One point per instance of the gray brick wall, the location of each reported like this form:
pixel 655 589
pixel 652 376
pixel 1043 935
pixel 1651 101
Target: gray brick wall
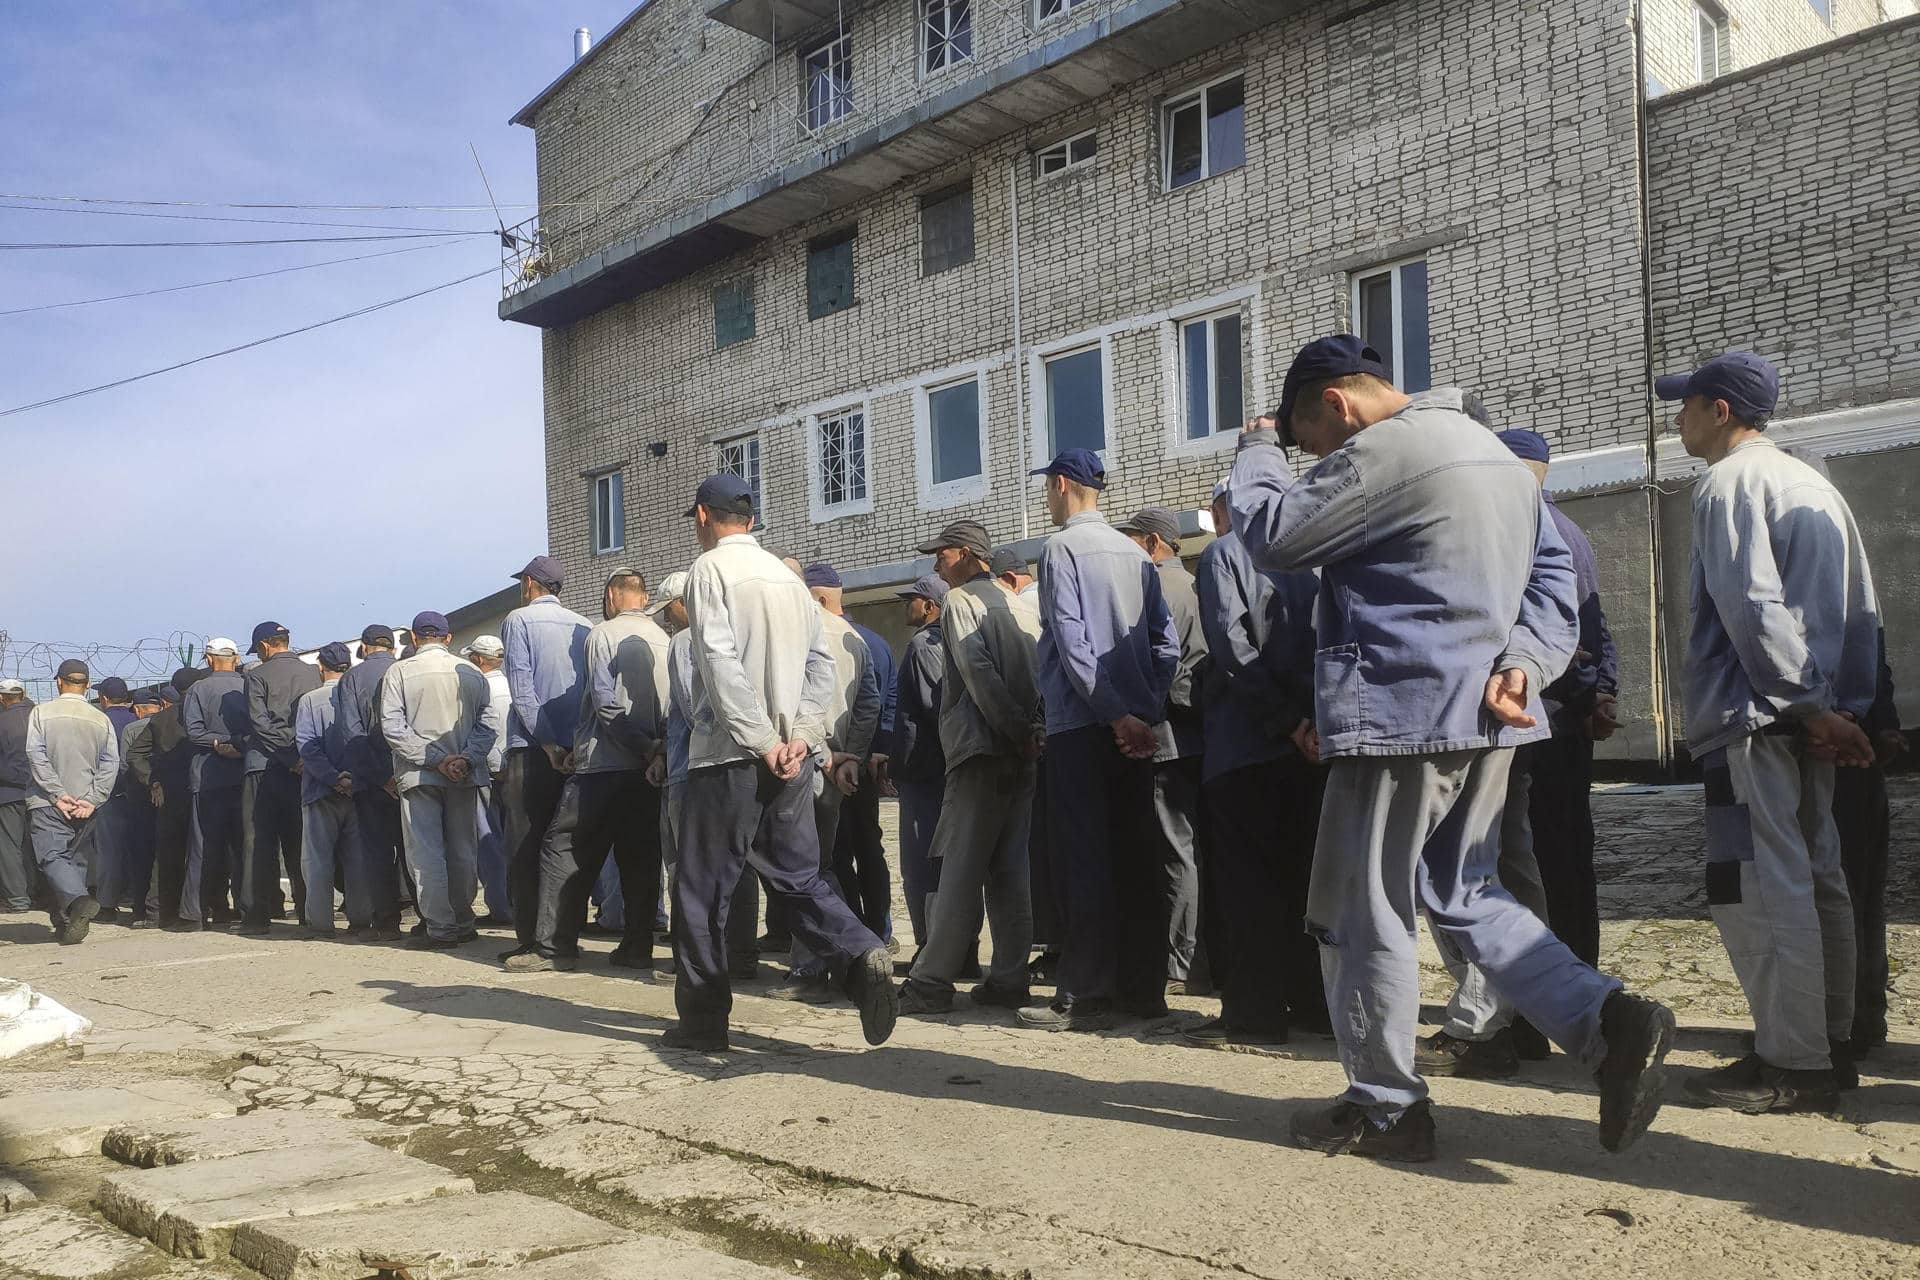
pixel 1757 30
pixel 1785 205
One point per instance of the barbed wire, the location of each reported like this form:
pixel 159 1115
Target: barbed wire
pixel 147 661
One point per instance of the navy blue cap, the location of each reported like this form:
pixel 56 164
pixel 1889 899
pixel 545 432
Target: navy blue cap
pixel 265 631
pixel 1007 560
pixel 335 656
pixel 166 693
pixel 376 634
pixel 1748 383
pixel 147 698
pixel 430 623
pixel 928 586
pixel 820 574
pixel 1082 466
pixel 544 570
pixel 1335 356
pixel 725 493
pixel 1528 446
pixel 113 687
pixel 183 678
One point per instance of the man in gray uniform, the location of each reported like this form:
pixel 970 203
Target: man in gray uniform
pixel 162 763
pixel 1782 662
pixel 376 797
pixel 215 716
pixel 1446 607
pixel 75 760
pixel 16 782
pixel 607 804
pixel 271 796
pixel 1176 759
pixel 330 827
pixel 918 769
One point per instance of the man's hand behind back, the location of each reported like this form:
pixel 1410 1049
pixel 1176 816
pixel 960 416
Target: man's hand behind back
pixel 1507 698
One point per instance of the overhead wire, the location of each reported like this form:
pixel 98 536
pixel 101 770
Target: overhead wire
pixel 214 217
pixel 224 244
pixel 314 208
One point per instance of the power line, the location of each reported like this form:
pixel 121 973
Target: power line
pixel 313 208
pixel 222 244
pixel 203 284
pixel 245 346
pixel 214 217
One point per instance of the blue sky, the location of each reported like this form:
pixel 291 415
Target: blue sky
pixel 371 469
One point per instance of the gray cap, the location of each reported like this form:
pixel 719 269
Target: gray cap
pixel 928 586
pixel 486 647
pixel 1154 520
pixel 12 686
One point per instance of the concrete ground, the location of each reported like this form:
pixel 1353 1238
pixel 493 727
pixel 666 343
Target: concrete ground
pixel 966 1147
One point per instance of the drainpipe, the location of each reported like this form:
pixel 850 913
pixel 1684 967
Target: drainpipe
pixel 1019 362
pixel 1662 726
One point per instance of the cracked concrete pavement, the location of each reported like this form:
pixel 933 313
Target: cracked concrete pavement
pixel 969 1147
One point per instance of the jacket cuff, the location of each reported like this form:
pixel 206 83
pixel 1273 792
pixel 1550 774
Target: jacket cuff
pixel 1265 436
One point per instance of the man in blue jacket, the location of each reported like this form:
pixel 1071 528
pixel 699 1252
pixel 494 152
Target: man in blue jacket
pixel 376 796
pixel 1446 606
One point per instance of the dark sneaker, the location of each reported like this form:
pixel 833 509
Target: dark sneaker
pixel 379 933
pixel 1143 1009
pixel 253 929
pixel 1220 1033
pixel 177 925
pixel 678 1037
pixel 1846 1064
pixel 492 921
pixel 1632 1077
pixel 737 970
pixel 108 915
pixel 529 962
pixel 427 942
pixel 1069 1015
pixel 318 935
pixel 815 988
pixel 869 984
pixel 1343 1129
pixel 521 950
pixel 419 929
pixel 1530 1044
pixel 631 958
pixel 917 1002
pixel 1443 1055
pixel 467 935
pixel 1001 997
pixel 771 944
pixel 1752 1087
pixel 80 917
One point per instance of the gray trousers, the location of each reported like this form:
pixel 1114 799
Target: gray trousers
pixel 1400 832
pixel 1477 1011
pixel 802 962
pixel 16 858
pixel 62 849
pixel 980 844
pixel 1778 894
pixel 1176 807
pixel 442 826
pixel 330 841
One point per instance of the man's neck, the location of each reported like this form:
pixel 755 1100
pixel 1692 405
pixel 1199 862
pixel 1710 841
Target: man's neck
pixel 1730 440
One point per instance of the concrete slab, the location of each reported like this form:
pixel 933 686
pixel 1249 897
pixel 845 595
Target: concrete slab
pixel 193 1209
pixel 46 1123
pixel 14 1194
pixel 51 1243
pixel 649 1259
pixel 423 1241
pixel 150 1145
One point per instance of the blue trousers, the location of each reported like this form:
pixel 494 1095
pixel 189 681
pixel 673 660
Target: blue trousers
pixel 213 852
pixel 493 857
pixel 919 815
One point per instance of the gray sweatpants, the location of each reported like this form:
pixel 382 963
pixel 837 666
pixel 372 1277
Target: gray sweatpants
pixel 1778 894
pixel 62 849
pixel 442 827
pixel 330 841
pixel 980 843
pixel 1478 1012
pixel 1398 832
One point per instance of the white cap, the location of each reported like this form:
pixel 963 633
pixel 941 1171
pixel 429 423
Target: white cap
pixel 12 686
pixel 672 587
pixel 223 647
pixel 486 647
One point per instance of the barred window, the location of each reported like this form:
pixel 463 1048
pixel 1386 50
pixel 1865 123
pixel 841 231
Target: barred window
pixel 946 34
pixel 828 81
pixel 841 451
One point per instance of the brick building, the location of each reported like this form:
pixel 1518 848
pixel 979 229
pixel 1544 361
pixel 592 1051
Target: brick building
pixel 882 258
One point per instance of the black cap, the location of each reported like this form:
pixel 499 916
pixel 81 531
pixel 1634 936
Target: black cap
pixel 1007 560
pixel 1748 383
pixel 968 535
pixel 726 493
pixel 73 667
pixel 544 570
pixel 334 657
pixel 147 698
pixel 184 677
pixel 376 634
pixel 113 687
pixel 266 631
pixel 1157 521
pixel 428 623
pixel 1335 356
pixel 167 693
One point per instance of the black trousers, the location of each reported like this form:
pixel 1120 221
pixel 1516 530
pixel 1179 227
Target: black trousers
pixel 1561 813
pixel 1047 917
pixel 860 857
pixel 1102 833
pixel 529 789
pixel 271 799
pixel 735 816
pixel 1860 812
pixel 1262 824
pixel 380 836
pixel 615 812
pixel 172 823
pixel 213 853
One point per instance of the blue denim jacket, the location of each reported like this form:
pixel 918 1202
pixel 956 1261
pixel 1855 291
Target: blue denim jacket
pixel 1109 648
pixel 1438 567
pixel 546 666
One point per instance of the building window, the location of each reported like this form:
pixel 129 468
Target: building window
pixel 1390 310
pixel 741 457
pixel 1212 395
pixel 1709 42
pixel 1825 9
pixel 953 443
pixel 607 517
pixel 1046 10
pixel 946 34
pixel 840 463
pixel 827 78
pixel 946 229
pixel 1204 133
pixel 830 274
pixel 1076 400
pixel 1068 153
pixel 733 312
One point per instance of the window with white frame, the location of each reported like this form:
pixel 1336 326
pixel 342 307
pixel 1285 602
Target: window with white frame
pixel 1204 132
pixel 840 461
pixel 946 34
pixel 1044 10
pixel 827 81
pixel 741 457
pixel 1390 313
pixel 1068 153
pixel 607 514
pixel 1212 389
pixel 1709 42
pixel 1076 400
pixel 952 438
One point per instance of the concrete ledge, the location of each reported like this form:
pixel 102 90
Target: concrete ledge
pixel 650 1259
pixel 48 1123
pixel 54 1242
pixel 149 1146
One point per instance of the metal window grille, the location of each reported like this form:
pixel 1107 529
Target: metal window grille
pixel 946 34
pixel 828 82
pixel 843 459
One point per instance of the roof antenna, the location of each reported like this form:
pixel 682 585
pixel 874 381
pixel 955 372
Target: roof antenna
pixel 508 240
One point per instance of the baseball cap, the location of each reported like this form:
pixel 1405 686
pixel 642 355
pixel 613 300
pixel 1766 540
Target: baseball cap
pixel 335 656
pixel 12 686
pixel 113 687
pixel 265 631
pixel 73 667
pixel 1082 466
pixel 1528 446
pixel 820 574
pixel 375 633
pixel 1007 560
pixel 429 623
pixel 968 535
pixel 1334 356
pixel 486 647
pixel 222 647
pixel 672 587
pixel 147 698
pixel 544 570
pixel 1154 520
pixel 928 586
pixel 1748 383
pixel 725 492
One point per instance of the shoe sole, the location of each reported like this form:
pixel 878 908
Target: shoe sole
pixel 78 922
pixel 1358 1148
pixel 1097 1022
pixel 879 1000
pixel 1779 1104
pixel 1643 1099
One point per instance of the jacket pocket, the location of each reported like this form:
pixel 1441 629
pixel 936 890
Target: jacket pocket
pixel 1339 691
